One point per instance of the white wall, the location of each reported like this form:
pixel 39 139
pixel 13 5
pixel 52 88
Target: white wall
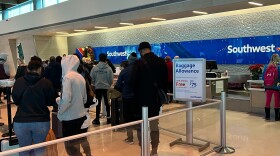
pixel 69 10
pixel 47 46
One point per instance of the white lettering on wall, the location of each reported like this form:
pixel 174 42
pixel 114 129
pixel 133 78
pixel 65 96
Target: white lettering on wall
pixel 251 49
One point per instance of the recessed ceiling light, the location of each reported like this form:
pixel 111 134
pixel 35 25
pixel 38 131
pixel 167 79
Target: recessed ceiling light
pixel 126 24
pixel 77 30
pixel 98 27
pixel 255 3
pixel 62 32
pixel 200 12
pixel 158 19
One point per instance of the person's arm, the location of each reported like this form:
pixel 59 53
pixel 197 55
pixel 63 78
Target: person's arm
pixel 7 69
pixel 50 93
pixel 66 95
pixel 84 93
pixel 16 93
pixel 164 76
pixel 92 75
pixel 135 75
pixel 110 77
pixel 119 84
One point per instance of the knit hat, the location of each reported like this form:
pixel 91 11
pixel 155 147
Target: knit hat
pixel 144 45
pixel 132 58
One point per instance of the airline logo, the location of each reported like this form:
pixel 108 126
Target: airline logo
pixel 112 54
pixel 253 49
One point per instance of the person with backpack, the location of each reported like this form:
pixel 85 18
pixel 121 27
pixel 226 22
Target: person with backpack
pixel 271 77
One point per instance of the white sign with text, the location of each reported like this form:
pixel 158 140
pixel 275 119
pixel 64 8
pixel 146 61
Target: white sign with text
pixel 189 79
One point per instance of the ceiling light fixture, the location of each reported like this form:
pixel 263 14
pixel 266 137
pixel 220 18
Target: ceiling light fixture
pixel 126 24
pixel 158 19
pixel 200 12
pixel 255 3
pixel 62 32
pixel 98 27
pixel 79 30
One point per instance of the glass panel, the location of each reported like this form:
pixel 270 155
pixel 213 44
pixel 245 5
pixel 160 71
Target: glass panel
pixel 205 122
pixel 109 143
pixel 59 1
pixel 13 12
pixel 1 16
pixel 49 2
pixel 26 8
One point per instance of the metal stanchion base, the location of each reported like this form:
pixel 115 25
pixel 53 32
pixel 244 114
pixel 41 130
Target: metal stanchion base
pixel 224 150
pixel 180 141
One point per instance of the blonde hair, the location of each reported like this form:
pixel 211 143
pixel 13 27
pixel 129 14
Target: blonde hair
pixel 274 59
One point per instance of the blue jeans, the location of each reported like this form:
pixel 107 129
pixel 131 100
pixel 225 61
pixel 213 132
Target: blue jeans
pixel 31 132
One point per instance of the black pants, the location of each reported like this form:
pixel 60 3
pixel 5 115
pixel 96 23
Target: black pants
pixel 99 94
pixel 128 114
pixel 170 90
pixel 73 127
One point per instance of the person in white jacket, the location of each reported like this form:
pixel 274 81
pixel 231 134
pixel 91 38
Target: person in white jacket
pixel 71 111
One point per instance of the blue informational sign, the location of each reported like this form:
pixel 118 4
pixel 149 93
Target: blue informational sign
pixel 246 50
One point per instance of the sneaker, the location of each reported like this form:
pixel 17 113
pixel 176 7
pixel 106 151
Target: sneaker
pixel 129 141
pixel 153 152
pixel 96 122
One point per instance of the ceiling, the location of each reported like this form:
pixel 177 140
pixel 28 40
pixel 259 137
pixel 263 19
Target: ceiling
pixel 5 4
pixel 168 12
pixel 142 16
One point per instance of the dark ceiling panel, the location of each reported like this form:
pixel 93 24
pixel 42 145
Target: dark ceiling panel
pixel 5 4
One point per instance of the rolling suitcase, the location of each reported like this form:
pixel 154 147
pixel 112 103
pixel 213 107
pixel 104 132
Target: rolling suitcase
pixel 11 142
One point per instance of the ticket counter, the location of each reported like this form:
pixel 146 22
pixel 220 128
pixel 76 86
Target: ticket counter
pixel 214 86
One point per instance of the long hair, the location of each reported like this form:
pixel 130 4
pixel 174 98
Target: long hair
pixel 274 60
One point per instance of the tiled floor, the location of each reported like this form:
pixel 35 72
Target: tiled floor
pixel 249 134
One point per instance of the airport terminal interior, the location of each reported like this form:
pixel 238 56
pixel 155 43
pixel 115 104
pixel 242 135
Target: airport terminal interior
pixel 236 38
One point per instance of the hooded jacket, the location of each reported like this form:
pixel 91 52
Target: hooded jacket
pixel 33 94
pixel 73 96
pixel 102 76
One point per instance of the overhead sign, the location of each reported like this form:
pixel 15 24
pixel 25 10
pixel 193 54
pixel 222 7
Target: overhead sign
pixel 245 50
pixel 189 79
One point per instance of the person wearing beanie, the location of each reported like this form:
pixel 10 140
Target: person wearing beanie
pixel 128 96
pixel 149 74
pixel 102 79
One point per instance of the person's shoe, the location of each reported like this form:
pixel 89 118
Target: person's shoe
pixel 154 152
pixel 96 122
pixel 109 120
pixel 129 141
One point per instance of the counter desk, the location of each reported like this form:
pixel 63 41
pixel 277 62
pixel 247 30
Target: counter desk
pixel 257 96
pixel 214 86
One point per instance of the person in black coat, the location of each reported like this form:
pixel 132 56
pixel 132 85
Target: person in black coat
pixel 53 73
pixel 32 94
pixel 147 73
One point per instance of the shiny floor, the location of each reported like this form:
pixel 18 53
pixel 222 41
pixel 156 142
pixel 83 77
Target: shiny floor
pixel 249 134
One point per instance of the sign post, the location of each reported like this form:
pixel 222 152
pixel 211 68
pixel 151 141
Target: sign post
pixel 189 82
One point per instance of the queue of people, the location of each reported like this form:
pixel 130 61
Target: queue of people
pixel 68 75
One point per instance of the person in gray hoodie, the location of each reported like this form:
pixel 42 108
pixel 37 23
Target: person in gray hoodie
pixel 102 79
pixel 71 110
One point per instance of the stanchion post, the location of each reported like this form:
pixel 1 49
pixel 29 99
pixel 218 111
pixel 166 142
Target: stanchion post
pixel 189 125
pixel 145 148
pixel 223 149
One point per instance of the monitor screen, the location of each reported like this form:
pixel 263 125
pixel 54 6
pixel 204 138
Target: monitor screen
pixel 211 64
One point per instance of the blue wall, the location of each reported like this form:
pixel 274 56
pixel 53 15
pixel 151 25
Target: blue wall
pixel 246 50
